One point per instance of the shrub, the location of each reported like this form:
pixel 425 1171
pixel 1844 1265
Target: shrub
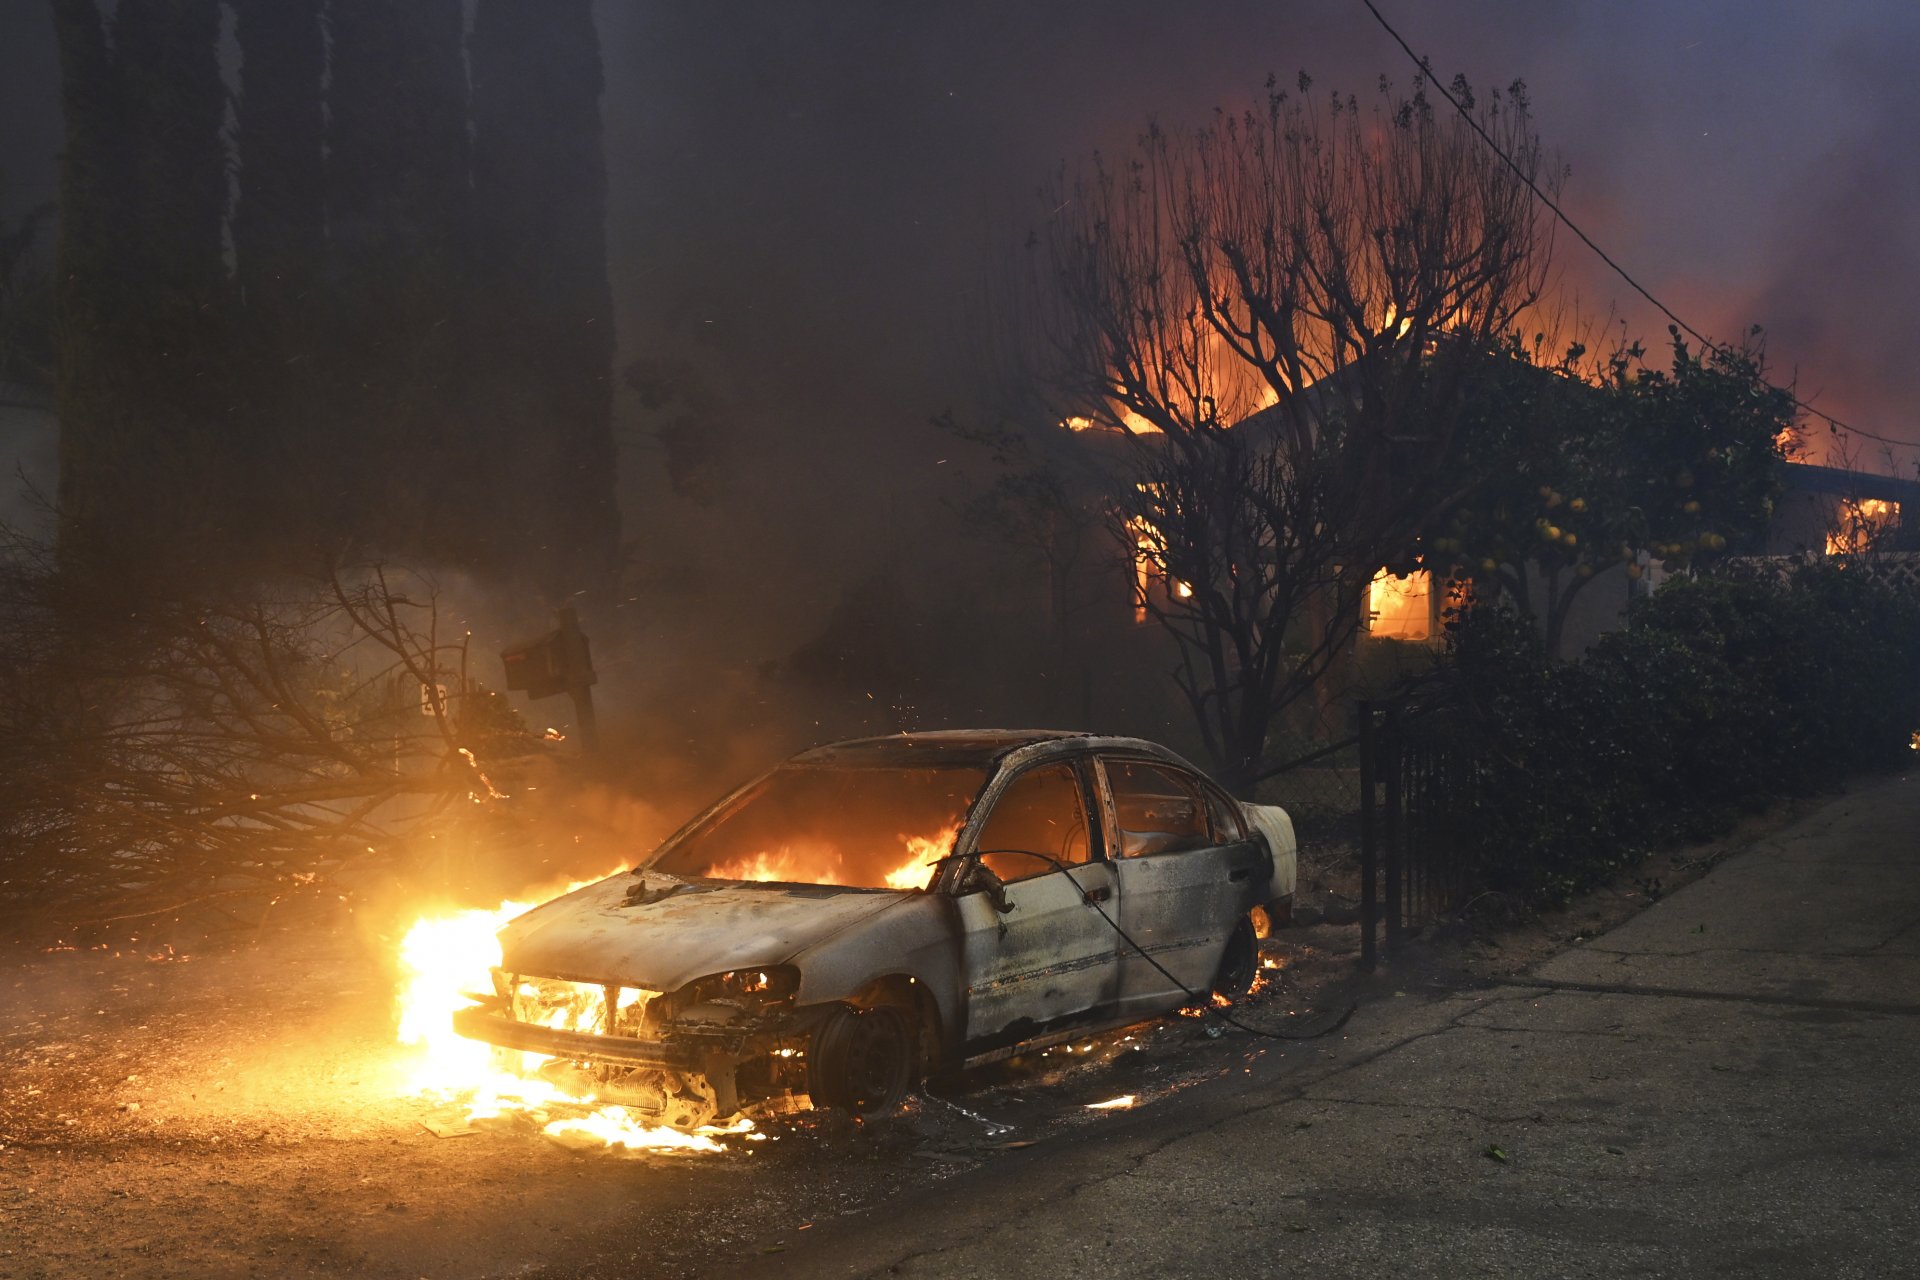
pixel 1719 697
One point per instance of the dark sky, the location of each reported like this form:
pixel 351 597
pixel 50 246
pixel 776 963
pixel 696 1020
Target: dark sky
pixel 807 196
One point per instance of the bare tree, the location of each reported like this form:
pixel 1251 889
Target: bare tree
pixel 231 747
pixel 1285 313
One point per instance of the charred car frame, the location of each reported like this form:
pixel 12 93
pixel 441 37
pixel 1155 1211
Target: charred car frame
pixel 874 911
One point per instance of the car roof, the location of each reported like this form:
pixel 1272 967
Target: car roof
pixel 977 747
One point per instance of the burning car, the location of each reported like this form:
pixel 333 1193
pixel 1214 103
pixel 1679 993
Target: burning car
pixel 874 911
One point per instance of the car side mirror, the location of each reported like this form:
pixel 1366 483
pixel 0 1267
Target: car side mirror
pixel 976 877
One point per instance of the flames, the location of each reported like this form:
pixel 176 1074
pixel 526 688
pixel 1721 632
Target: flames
pixel 446 963
pixel 1129 421
pixel 816 863
pixel 1860 525
pixel 922 853
pixel 806 865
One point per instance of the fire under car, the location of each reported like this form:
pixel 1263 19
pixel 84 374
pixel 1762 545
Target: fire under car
pixel 876 911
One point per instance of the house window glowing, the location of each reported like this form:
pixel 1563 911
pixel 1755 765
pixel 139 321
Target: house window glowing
pixel 1146 564
pixel 1858 525
pixel 1149 568
pixel 1400 608
pixel 1129 421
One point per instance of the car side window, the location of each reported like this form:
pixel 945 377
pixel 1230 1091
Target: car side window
pixel 1159 809
pixel 1040 812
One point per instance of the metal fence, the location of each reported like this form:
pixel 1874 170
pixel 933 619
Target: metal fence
pixel 1418 796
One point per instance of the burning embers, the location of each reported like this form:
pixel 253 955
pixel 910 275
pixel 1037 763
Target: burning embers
pixel 449 963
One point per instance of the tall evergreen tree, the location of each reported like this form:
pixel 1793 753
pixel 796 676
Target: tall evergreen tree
pixel 90 384
pixel 544 338
pixel 146 416
pixel 397 202
pixel 279 248
pixel 175 101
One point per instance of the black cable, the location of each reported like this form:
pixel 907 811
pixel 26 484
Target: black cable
pixel 1426 69
pixel 1205 1000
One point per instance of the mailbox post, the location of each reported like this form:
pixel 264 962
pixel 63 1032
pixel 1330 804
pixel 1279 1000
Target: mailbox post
pixel 558 662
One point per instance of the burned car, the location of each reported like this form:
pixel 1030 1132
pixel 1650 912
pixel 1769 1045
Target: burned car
pixel 874 911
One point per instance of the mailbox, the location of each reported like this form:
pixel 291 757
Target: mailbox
pixel 558 662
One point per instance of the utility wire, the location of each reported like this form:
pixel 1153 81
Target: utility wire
pixel 1426 69
pixel 1202 999
pixel 1205 999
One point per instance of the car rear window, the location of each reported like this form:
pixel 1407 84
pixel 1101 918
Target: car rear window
pixel 1159 809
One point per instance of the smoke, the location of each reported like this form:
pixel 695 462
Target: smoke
pixel 806 200
pixel 1846 257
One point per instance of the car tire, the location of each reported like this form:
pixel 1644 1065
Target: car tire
pixel 1240 963
pixel 861 1060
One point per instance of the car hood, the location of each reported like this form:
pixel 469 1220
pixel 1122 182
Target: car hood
pixel 696 928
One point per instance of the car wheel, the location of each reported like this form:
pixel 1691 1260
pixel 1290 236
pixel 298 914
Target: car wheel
pixel 1240 962
pixel 861 1060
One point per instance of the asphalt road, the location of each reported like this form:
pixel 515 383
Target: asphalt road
pixel 1722 1086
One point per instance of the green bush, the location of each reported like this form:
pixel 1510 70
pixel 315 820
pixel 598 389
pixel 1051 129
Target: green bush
pixel 1720 696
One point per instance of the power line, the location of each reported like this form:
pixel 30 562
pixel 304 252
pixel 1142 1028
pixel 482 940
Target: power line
pixel 1426 69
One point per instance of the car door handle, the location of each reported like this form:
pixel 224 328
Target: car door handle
pixel 1242 874
pixel 1100 894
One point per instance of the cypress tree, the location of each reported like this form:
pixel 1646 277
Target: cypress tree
pixel 279 248
pixel 544 336
pixel 89 385
pixel 397 203
pixel 175 102
pixel 144 412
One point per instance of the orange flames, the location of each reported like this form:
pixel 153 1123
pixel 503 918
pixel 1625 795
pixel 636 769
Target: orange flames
pixel 1129 421
pixel 922 853
pixel 1860 525
pixel 446 964
pixel 819 863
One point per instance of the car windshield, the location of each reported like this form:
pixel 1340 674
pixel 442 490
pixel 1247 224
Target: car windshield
pixel 869 828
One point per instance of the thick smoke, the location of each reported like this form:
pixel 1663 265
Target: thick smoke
pixel 807 199
pixel 1846 255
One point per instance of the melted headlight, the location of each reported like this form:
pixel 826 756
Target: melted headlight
pixel 576 1006
pixel 758 986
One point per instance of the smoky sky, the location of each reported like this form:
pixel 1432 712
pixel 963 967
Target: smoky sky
pixel 807 197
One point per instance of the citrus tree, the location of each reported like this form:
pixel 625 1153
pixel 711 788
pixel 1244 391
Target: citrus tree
pixel 1628 465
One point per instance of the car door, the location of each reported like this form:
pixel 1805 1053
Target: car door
pixel 1187 874
pixel 1049 959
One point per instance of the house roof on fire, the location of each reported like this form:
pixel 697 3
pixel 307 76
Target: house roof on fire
pixel 1806 477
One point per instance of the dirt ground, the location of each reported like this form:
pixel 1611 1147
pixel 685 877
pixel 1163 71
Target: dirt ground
pixel 240 1109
